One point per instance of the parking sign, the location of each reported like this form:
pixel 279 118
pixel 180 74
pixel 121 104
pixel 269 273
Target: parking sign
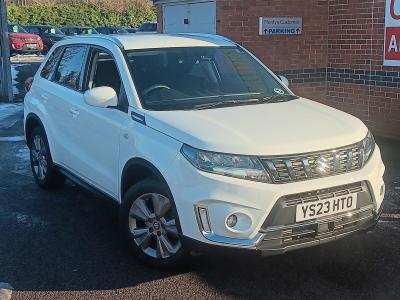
pixel 392 33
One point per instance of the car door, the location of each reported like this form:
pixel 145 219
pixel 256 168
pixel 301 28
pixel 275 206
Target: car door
pixel 100 128
pixel 63 94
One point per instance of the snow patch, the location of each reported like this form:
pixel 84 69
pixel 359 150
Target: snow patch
pixel 5 291
pixel 21 219
pixel 26 58
pixel 7 110
pixel 14 75
pixel 18 138
pixel 22 161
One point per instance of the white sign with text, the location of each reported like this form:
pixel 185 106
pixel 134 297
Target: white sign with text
pixel 280 26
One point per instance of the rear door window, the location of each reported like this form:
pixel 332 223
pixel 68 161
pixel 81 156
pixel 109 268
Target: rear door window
pixel 69 71
pixel 51 64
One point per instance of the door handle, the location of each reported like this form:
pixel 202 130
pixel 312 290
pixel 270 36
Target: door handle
pixel 45 98
pixel 74 112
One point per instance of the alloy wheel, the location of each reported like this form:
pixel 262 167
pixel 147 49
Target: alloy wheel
pixel 153 226
pixel 39 160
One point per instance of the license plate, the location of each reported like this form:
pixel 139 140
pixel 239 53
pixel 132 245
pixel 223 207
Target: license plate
pixel 327 207
pixel 31 46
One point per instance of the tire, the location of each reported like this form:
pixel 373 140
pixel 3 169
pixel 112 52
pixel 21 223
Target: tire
pixel 152 229
pixel 43 169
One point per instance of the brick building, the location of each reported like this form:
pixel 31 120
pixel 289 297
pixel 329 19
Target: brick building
pixel 337 59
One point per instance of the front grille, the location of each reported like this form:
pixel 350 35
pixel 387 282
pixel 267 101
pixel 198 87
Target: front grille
pixel 314 165
pixel 30 40
pixel 303 234
pixel 283 214
pixel 282 233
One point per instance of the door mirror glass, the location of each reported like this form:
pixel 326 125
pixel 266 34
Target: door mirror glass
pixel 284 80
pixel 103 96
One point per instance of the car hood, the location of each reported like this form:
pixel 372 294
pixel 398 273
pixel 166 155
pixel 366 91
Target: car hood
pixel 23 35
pixel 296 126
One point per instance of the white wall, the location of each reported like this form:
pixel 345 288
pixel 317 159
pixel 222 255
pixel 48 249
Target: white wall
pixel 200 16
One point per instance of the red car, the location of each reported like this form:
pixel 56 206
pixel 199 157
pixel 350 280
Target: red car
pixel 23 42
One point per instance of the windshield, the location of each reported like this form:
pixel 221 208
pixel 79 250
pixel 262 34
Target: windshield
pixel 87 31
pixel 51 31
pixel 118 30
pixel 148 27
pixel 16 29
pixel 185 78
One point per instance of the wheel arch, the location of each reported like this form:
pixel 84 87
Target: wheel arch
pixel 137 169
pixel 31 122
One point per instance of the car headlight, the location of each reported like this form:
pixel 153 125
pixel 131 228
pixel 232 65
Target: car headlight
pixel 39 38
pixel 368 146
pixel 238 166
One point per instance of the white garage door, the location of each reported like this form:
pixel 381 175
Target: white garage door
pixel 190 17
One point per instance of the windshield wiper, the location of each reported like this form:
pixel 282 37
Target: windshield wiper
pixel 225 103
pixel 278 98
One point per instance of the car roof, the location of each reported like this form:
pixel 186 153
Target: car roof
pixel 39 25
pixel 156 40
pixel 77 27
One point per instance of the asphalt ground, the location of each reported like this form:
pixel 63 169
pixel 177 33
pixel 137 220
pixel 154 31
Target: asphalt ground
pixel 64 244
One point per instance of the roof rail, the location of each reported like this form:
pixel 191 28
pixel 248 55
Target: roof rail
pixel 102 36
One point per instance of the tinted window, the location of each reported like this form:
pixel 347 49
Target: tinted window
pixel 102 30
pixel 70 67
pixel 16 29
pixel 51 30
pixel 148 27
pixel 70 31
pixel 33 30
pixel 87 30
pixel 51 64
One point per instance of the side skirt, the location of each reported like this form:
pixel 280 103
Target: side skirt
pixel 90 188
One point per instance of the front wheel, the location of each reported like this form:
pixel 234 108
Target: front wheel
pixel 150 222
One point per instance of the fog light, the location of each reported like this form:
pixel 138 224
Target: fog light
pixel 231 221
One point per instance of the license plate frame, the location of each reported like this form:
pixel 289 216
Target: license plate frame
pixel 326 207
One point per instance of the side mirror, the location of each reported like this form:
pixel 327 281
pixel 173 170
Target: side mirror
pixel 103 96
pixel 284 80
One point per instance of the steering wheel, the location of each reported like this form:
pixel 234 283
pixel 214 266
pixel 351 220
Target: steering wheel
pixel 155 87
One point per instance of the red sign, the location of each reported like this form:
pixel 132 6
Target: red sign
pixel 392 33
pixel 392 47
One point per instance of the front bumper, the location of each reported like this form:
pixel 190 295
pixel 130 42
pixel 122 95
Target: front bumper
pixel 26 48
pixel 223 196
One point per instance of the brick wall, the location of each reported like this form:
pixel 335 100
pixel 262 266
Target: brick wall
pixel 238 20
pixel 356 39
pixel 338 60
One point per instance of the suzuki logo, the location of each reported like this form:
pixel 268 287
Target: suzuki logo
pixel 393 10
pixel 322 166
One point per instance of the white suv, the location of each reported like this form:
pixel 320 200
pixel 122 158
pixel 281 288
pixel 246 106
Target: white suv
pixel 201 144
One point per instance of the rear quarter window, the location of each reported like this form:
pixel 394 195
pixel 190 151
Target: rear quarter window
pixel 51 64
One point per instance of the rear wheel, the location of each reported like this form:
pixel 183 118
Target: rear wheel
pixel 43 169
pixel 149 220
